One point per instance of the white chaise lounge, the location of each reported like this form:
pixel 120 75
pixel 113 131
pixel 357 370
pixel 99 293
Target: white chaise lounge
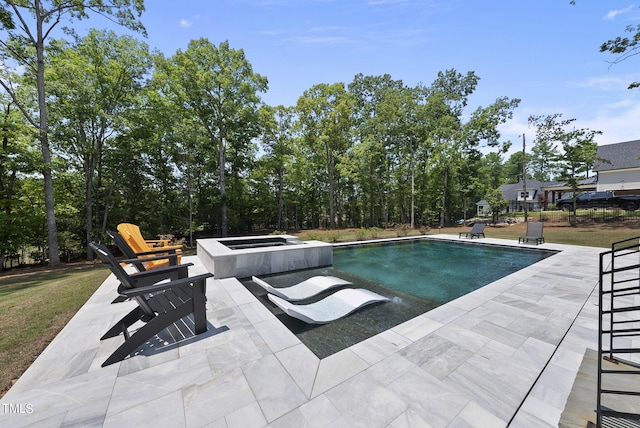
pixel 303 290
pixel 337 305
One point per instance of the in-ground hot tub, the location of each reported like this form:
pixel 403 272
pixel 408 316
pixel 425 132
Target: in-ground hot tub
pixel 245 256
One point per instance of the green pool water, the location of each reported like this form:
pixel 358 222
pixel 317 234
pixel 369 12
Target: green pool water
pixel 416 276
pixel 437 270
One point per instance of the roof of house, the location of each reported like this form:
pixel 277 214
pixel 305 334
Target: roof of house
pixel 618 156
pixel 593 180
pixel 510 191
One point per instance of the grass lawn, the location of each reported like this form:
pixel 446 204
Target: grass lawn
pixel 592 235
pixel 34 307
pixel 36 304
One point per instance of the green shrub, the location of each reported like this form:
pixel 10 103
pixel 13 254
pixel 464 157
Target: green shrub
pixel 403 230
pixel 361 234
pixel 333 235
pixel 375 232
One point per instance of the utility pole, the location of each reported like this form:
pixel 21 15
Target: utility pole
pixel 524 178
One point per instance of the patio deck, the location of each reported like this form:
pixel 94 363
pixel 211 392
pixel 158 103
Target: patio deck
pixel 506 354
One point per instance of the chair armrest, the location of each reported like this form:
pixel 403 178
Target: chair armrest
pixel 148 259
pixel 157 250
pixel 138 291
pixel 153 272
pixel 155 242
pixel 165 244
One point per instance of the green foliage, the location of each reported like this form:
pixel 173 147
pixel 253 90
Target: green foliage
pixel 497 203
pixel 375 232
pixel 579 149
pixel 403 230
pixel 185 143
pixel 334 235
pixel 313 236
pixel 362 234
pixel 95 84
pixel 218 88
pixel 624 48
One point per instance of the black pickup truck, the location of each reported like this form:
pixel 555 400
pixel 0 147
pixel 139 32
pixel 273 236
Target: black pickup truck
pixel 600 200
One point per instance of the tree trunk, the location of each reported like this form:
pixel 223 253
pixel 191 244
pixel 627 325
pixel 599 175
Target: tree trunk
pixel 54 256
pixel 280 196
pixel 222 159
pixel 89 213
pixel 444 198
pixel 332 221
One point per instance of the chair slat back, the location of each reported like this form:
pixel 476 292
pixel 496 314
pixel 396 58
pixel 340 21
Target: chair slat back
pixel 478 228
pixel 107 258
pixel 132 235
pixel 534 228
pixel 126 249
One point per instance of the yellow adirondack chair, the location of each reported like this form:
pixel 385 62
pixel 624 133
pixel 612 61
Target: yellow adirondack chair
pixel 131 234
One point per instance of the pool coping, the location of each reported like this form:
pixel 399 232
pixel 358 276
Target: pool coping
pixel 391 364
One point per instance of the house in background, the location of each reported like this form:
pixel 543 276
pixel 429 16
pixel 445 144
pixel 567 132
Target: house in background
pixel 482 208
pixel 536 197
pixel 557 191
pixel 618 167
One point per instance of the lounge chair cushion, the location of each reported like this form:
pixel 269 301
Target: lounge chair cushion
pixel 338 305
pixel 305 289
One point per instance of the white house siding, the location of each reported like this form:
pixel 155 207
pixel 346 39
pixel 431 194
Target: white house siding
pixel 626 179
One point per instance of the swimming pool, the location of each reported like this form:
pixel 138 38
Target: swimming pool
pixel 438 270
pixel 379 268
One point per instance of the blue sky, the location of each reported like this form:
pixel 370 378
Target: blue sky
pixel 546 52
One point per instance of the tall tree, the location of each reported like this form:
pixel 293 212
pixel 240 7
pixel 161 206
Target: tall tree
pixel 458 141
pixel 32 23
pixel 277 143
pixel 18 158
pixel 376 129
pixel 543 160
pixel 579 149
pixel 325 118
pixel 218 86
pixel 93 84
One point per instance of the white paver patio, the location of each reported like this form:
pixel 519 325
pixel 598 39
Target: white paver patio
pixel 505 354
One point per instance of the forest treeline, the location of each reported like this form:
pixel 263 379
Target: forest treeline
pixel 185 142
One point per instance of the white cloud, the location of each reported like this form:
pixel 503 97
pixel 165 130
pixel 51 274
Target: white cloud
pixel 617 121
pixel 185 23
pixel 613 13
pixel 607 83
pixel 270 32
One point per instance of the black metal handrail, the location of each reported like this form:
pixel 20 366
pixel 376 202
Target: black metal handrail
pixel 619 278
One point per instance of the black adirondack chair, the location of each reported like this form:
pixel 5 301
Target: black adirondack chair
pixel 145 275
pixel 159 306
